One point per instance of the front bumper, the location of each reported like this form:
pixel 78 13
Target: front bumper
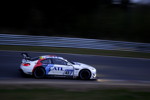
pixel 93 74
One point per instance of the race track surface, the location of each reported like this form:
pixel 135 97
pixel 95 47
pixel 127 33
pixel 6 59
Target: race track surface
pixel 114 68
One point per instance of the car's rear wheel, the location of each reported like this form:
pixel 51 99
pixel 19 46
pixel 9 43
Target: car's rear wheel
pixel 39 73
pixel 85 74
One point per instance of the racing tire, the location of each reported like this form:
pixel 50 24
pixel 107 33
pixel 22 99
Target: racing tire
pixel 85 74
pixel 39 73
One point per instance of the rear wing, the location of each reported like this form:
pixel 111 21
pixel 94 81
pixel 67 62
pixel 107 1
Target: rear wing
pixel 26 56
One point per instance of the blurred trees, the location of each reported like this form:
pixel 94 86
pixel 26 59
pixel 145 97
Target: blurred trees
pixel 89 19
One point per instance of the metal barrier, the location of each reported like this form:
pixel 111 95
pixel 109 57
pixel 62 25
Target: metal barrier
pixel 29 40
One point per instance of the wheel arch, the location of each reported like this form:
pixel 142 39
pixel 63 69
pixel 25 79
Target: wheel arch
pixel 36 68
pixel 39 72
pixel 84 69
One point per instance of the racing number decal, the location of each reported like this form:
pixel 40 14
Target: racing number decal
pixel 68 72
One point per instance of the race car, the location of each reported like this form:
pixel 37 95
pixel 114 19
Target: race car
pixel 51 65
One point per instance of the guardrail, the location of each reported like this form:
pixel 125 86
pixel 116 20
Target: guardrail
pixel 29 40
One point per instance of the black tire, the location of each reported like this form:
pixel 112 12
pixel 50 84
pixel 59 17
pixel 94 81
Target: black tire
pixel 85 74
pixel 39 73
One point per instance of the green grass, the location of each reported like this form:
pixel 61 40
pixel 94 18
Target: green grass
pixel 59 94
pixel 76 51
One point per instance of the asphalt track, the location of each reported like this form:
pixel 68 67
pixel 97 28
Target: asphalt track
pixel 108 68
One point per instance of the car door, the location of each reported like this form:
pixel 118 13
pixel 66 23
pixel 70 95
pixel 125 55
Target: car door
pixel 48 65
pixel 61 67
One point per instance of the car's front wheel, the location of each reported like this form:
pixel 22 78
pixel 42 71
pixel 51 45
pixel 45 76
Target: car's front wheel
pixel 39 73
pixel 85 74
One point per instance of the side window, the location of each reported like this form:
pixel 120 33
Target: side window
pixel 46 61
pixel 59 61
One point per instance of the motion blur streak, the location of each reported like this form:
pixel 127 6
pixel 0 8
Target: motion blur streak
pixel 117 68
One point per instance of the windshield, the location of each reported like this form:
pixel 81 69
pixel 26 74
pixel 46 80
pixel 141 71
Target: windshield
pixel 71 62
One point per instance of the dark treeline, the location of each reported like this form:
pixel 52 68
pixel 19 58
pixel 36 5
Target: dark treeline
pixel 89 19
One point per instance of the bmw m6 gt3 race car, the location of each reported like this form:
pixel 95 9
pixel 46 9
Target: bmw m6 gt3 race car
pixel 52 65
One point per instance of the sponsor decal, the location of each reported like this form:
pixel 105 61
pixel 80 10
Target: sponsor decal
pixel 57 68
pixel 48 68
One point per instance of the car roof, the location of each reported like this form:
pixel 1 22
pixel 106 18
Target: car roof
pixel 50 56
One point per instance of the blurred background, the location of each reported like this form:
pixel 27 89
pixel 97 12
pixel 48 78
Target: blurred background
pixel 98 22
pixel 125 20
